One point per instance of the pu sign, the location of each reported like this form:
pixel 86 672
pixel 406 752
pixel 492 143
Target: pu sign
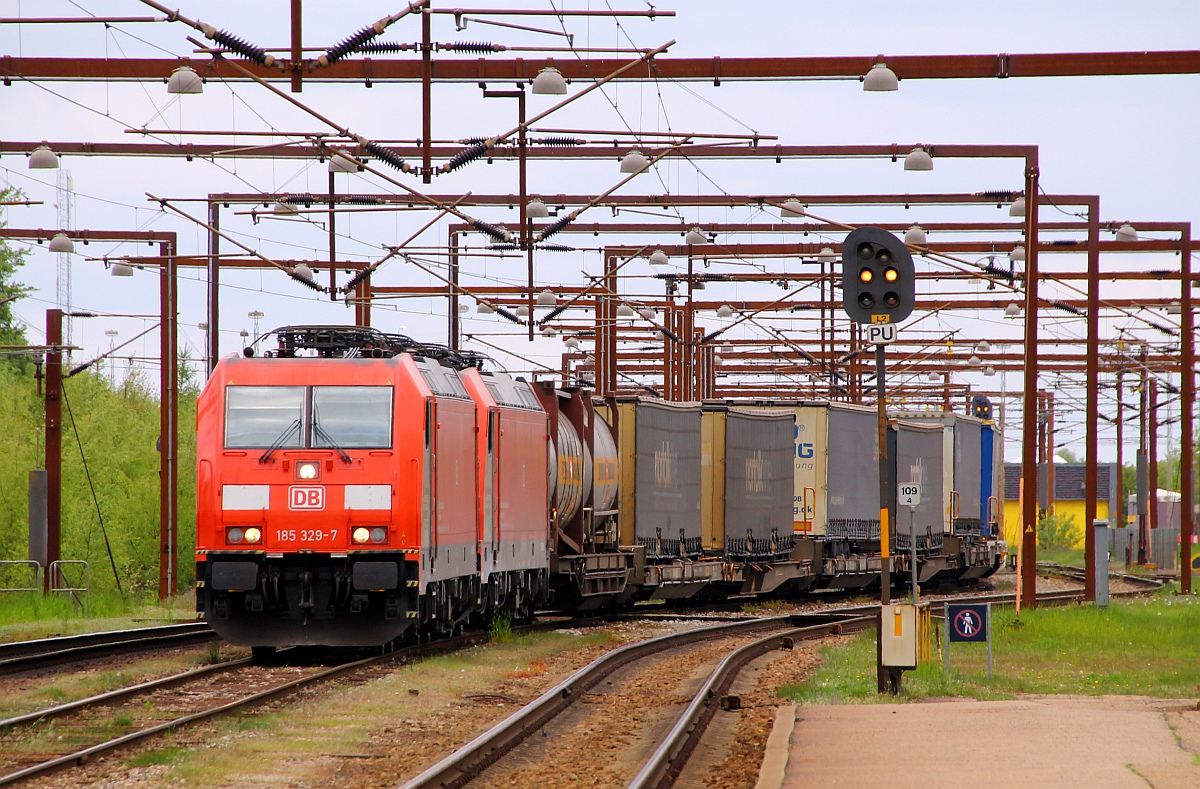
pixel 306 497
pixel 880 334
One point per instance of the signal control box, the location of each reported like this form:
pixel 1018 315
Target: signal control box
pixel 898 636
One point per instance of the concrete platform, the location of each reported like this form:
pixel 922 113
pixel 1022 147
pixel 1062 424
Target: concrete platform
pixel 1045 741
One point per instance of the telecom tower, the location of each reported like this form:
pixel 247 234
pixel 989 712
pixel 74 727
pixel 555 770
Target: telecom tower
pixel 66 200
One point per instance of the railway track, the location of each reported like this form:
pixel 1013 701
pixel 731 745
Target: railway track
pixel 218 689
pixel 475 759
pixel 1078 574
pixel 472 759
pixel 194 696
pixel 18 656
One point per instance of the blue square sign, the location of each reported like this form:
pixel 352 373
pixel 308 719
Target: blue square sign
pixel 967 622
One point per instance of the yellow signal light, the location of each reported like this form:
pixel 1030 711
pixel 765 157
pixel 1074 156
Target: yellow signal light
pixel 866 275
pixel 891 275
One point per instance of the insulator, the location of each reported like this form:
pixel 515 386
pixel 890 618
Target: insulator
pixel 556 227
pixel 358 278
pixel 384 47
pixel 465 156
pixel 664 330
pixel 559 142
pixel 503 313
pixel 1002 195
pixel 556 248
pixel 1164 329
pixel 1065 242
pixel 349 45
pixel 554 313
pixel 474 140
pixel 304 200
pixel 306 282
pixel 503 247
pixel 996 271
pixel 1071 308
pixel 358 199
pixel 475 47
pixel 490 230
pixel 387 155
pixel 243 48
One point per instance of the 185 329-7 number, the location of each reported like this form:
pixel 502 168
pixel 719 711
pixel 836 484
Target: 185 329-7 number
pixel 307 535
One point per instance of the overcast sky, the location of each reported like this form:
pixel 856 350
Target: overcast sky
pixel 1129 139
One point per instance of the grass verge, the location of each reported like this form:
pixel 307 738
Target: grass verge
pixel 1142 647
pixel 32 615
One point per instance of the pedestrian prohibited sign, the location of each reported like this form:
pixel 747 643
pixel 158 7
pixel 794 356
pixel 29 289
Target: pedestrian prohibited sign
pixel 968 622
pixel 971 623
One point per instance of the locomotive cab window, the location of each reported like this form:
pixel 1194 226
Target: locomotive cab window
pixel 260 416
pixel 351 417
pixel 313 417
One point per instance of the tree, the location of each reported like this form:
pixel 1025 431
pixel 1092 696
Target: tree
pixel 11 332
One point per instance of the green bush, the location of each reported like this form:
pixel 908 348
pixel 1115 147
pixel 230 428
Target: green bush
pixel 1057 531
pixel 115 427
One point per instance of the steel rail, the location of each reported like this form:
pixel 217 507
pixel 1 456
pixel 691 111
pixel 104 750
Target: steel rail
pixel 84 755
pixel 473 758
pixel 90 649
pixel 12 649
pixel 668 760
pixel 1078 574
pixel 121 693
pixel 664 766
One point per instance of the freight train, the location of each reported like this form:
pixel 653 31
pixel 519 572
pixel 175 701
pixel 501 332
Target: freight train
pixel 358 488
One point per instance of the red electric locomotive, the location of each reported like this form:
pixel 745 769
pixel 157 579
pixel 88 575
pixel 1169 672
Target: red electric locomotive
pixel 356 487
pixel 337 491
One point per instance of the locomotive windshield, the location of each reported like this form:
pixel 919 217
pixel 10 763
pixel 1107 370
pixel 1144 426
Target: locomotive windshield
pixel 312 417
pixel 259 416
pixel 352 417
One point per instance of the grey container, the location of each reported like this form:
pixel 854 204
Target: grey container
pixel 667 495
pixel 758 484
pixel 918 452
pixel 853 464
pixel 962 464
pixel 968 466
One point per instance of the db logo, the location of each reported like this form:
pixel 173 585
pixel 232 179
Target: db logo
pixel 306 498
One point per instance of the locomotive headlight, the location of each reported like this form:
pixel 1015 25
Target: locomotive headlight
pixel 253 535
pixel 379 535
pixel 235 535
pixel 361 535
pixel 308 469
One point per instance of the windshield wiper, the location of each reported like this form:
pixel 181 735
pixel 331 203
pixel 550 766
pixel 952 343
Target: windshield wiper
pixel 323 434
pixel 277 443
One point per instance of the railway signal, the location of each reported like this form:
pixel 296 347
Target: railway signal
pixel 878 277
pixel 879 290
